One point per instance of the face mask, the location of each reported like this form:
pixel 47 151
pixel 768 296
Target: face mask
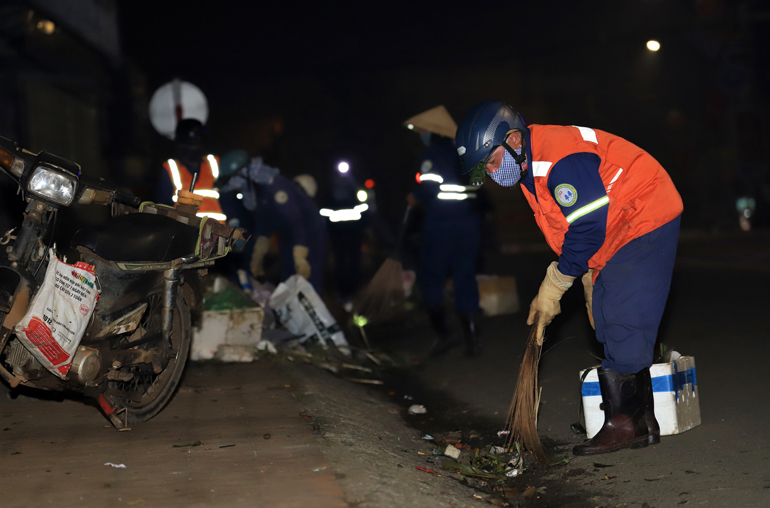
pixel 509 172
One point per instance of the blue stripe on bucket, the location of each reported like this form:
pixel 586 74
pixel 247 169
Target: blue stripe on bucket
pixel 659 384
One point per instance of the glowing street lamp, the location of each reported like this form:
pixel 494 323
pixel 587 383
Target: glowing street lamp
pixel 343 167
pixel 653 45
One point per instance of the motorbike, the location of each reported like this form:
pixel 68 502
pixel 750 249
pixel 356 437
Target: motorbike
pixel 148 260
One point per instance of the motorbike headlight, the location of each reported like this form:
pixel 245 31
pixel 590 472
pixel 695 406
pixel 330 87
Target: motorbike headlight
pixel 57 186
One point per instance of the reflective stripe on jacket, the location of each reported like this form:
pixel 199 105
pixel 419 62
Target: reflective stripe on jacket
pixel 641 195
pixel 204 186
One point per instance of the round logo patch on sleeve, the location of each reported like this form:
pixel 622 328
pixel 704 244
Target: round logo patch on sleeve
pixel 281 197
pixel 565 194
pixel 427 165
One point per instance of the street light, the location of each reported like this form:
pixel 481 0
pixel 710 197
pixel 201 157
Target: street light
pixel 653 45
pixel 343 167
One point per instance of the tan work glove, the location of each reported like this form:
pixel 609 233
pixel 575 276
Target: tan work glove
pixel 301 266
pixel 261 247
pixel 588 291
pixel 546 303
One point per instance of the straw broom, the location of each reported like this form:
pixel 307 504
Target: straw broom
pixel 384 295
pixel 522 414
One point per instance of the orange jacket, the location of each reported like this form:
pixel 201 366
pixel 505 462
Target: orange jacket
pixel 641 195
pixel 204 186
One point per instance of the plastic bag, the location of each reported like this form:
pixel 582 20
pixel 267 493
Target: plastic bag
pixel 59 314
pixel 302 312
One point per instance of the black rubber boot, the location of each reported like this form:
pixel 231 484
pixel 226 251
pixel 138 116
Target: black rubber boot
pixel 471 330
pixel 624 401
pixel 653 429
pixel 444 340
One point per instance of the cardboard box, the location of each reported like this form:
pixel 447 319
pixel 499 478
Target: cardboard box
pixel 497 295
pixel 675 390
pixel 228 335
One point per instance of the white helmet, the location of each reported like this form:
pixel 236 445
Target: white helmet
pixel 307 183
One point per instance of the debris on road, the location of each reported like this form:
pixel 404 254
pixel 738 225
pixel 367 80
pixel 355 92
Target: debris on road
pixel 316 470
pixel 363 381
pixel 426 470
pixel 119 466
pixel 428 437
pixel 452 451
pixel 267 436
pixel 227 446
pixel 190 445
pixel 417 409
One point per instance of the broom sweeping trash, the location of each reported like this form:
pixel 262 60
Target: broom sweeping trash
pixel 522 414
pixel 383 297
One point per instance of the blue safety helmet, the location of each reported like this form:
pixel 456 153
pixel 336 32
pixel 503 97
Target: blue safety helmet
pixel 483 129
pixel 230 164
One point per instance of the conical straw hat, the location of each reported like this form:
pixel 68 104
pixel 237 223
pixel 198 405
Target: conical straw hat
pixel 436 120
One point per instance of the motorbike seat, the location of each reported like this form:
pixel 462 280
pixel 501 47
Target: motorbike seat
pixel 139 237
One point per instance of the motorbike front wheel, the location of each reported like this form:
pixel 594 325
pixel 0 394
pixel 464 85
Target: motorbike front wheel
pixel 147 393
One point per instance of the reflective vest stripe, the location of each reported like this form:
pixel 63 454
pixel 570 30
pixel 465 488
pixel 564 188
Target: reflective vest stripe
pixel 459 196
pixel 427 177
pixel 175 176
pixel 345 214
pixel 590 207
pixel 214 166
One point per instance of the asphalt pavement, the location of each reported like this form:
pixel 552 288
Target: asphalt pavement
pixel 294 435
pixel 717 312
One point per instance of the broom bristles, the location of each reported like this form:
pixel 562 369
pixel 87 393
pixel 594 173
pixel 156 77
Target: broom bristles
pixel 522 414
pixel 384 295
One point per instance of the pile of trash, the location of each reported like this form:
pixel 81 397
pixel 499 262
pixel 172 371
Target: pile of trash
pixel 489 469
pixel 289 323
pixel 490 464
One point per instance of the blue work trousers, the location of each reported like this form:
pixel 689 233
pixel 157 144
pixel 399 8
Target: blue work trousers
pixel 629 298
pixel 450 246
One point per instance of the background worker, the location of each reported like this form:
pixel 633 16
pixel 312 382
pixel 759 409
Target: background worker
pixel 191 161
pixel 346 210
pixel 279 206
pixel 451 232
pixel 611 213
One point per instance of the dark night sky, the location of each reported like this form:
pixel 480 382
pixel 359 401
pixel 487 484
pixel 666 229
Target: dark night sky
pixel 340 77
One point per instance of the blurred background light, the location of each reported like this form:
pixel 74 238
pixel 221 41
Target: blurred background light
pixel 653 45
pixel 343 167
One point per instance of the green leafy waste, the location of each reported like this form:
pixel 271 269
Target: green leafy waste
pixel 229 298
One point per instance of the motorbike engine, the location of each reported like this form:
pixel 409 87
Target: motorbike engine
pixel 22 361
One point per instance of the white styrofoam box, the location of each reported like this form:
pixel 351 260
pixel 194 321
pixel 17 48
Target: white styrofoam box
pixel 675 391
pixel 234 332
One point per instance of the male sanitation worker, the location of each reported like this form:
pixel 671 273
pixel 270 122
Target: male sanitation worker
pixel 611 213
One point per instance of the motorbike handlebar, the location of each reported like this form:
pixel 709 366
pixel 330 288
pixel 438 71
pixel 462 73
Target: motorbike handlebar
pixel 127 199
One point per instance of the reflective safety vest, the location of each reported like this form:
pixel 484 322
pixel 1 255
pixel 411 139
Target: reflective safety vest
pixel 640 195
pixel 204 186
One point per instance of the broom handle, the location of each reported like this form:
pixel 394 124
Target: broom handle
pixel 400 241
